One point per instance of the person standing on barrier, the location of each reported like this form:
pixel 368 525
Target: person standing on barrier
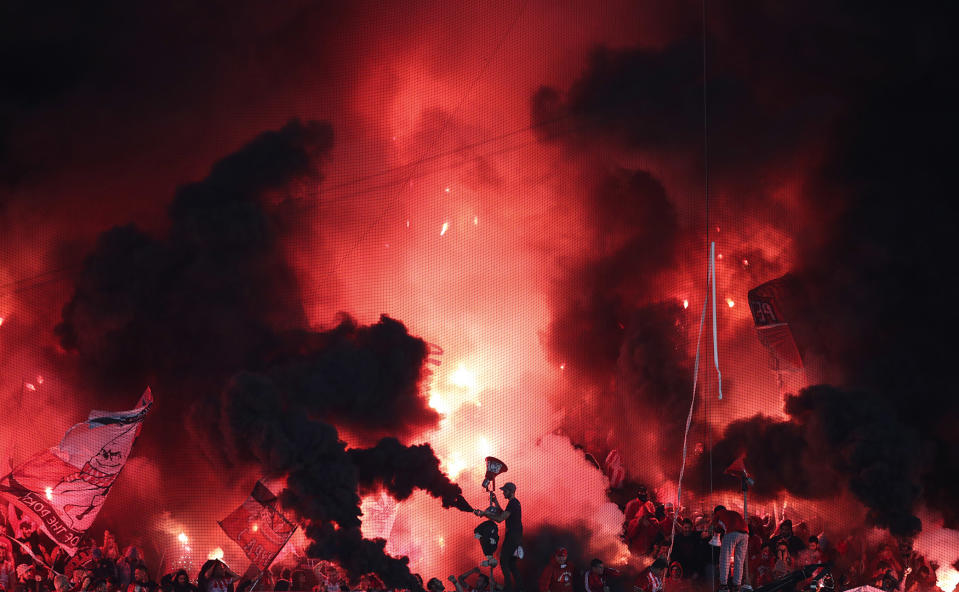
pixel 511 548
pixel 735 539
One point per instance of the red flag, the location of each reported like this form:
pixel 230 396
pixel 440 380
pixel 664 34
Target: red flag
pixel 259 527
pixel 63 488
pixel 738 468
pixel 772 326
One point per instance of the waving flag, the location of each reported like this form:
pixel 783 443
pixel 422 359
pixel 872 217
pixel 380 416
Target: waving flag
pixel 772 324
pixel 259 527
pixel 64 487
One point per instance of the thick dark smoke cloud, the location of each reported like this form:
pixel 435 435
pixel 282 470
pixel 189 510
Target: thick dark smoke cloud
pixel 380 366
pixel 652 377
pixel 324 479
pixel 607 327
pixel 400 469
pixel 835 440
pixel 214 300
pixel 856 104
pixel 212 295
pixel 598 298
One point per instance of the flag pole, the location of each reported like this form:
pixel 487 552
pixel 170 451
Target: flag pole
pixel 745 484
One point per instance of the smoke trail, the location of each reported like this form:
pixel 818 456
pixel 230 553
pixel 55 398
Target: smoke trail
pixel 401 469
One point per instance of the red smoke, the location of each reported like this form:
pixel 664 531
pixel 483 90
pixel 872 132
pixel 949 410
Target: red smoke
pixel 492 218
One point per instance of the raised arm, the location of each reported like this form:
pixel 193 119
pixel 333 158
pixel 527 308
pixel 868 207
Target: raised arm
pixel 460 583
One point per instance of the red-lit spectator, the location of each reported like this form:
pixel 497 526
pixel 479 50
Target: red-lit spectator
pixel 141 581
pixel 761 567
pixel 642 532
pixel 8 571
pixel 215 576
pixel 783 561
pixel 811 554
pixel 181 582
pixel 27 580
pixel 785 534
pixel 558 576
pixel 461 583
pixel 639 505
pixel 62 584
pixel 734 544
pixel 675 579
pixel 597 577
pixel 651 579
pixel 688 549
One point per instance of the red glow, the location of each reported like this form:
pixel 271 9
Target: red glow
pixel 414 98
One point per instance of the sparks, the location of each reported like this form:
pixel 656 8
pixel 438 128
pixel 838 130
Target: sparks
pixel 256 527
pixel 745 262
pixel 455 465
pixel 446 226
pixel 730 302
pixel 30 386
pixel 483 446
pixel 215 554
pixel 562 366
pixel 183 538
pixel 475 223
pixel 1 321
pixel 39 380
pixel 463 378
pixel 719 256
pixel 49 493
pixel 685 303
pixel 407 223
pixel 442 542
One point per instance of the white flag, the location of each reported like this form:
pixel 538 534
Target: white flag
pixel 64 487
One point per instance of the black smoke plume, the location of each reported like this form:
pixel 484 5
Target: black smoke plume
pixel 635 232
pixel 211 296
pixel 380 366
pixel 834 439
pixel 213 306
pixel 868 124
pixel 612 334
pixel 400 469
pixel 324 479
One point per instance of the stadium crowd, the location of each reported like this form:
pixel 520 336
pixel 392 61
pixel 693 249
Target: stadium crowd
pixel 677 549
